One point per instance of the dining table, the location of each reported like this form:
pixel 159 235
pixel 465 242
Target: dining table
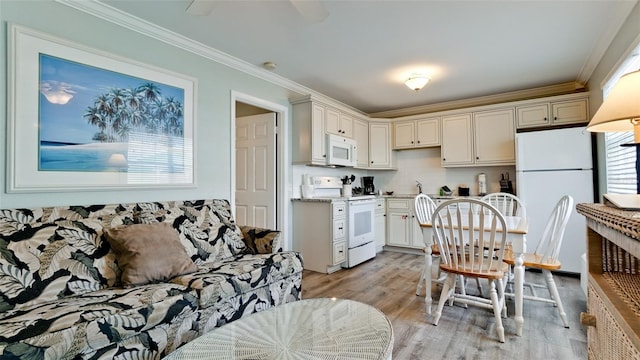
pixel 517 228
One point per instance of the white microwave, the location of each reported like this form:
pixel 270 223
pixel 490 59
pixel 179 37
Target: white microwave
pixel 341 151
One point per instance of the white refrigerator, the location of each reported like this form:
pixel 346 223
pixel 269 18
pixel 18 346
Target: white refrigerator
pixel 549 165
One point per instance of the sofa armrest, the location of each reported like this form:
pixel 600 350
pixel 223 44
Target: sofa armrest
pixel 261 241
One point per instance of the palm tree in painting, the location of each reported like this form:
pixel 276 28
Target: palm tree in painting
pixel 149 91
pixel 120 111
pixel 174 117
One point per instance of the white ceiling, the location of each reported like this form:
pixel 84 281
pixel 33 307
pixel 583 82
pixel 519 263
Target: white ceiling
pixel 361 53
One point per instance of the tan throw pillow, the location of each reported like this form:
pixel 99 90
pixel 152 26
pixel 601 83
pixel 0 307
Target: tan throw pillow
pixel 149 253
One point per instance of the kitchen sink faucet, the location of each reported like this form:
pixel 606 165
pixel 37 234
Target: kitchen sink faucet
pixel 419 185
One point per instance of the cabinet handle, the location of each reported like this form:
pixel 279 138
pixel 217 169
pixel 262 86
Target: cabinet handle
pixel 555 118
pixel 477 157
pixel 443 159
pixel 545 118
pixel 418 141
pixel 339 228
pixel 372 162
pixel 324 156
pixel 412 141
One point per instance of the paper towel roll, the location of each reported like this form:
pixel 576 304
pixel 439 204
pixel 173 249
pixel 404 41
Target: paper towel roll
pixel 307 191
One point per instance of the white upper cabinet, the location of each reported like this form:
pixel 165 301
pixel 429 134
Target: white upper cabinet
pixel 312 120
pixel 361 136
pixel 569 112
pixel 533 115
pixel 457 140
pixel 404 134
pixel 494 137
pixel 428 132
pixel 308 132
pixel 338 123
pixel 380 145
pixel 560 110
pixel 474 136
pixel 416 133
pixel 479 138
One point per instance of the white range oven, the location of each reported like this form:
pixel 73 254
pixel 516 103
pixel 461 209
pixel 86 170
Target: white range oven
pixel 360 216
pixel 361 229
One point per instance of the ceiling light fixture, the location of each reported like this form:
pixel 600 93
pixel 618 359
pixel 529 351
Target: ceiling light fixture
pixel 416 82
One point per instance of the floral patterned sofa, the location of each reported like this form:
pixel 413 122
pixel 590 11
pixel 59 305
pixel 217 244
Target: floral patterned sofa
pixel 62 297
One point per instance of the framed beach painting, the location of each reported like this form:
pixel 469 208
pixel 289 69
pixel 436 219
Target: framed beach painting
pixel 83 119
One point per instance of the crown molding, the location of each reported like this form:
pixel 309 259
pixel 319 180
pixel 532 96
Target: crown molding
pixel 141 26
pixel 605 39
pixel 558 89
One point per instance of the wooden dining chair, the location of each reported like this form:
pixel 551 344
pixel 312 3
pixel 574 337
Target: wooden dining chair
pixel 545 256
pixel 458 225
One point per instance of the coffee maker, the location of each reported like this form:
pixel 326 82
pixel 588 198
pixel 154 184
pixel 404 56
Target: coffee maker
pixel 367 185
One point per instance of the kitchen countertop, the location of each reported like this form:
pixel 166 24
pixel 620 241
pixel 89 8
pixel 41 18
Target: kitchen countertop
pixel 327 199
pixel 432 196
pixel 394 196
pixel 319 199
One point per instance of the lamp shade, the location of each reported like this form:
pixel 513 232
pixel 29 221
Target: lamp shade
pixel 620 111
pixel 416 82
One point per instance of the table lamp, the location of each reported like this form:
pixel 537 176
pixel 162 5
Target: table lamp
pixel 620 111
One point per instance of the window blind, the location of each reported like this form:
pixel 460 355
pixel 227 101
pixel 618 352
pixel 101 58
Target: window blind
pixel 621 161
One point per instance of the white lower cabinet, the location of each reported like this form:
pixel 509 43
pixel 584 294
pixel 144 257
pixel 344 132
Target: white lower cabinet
pixel 319 233
pixel 380 224
pixel 403 229
pixel 339 252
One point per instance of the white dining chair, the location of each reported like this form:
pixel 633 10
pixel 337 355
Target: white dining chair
pixel 545 256
pixel 458 226
pixel 424 207
pixel 507 204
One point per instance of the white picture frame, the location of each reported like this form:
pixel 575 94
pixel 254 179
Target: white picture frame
pixel 148 154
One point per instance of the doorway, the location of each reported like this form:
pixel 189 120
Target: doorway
pixel 255 169
pixel 258 158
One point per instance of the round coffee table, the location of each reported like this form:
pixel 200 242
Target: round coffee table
pixel 305 329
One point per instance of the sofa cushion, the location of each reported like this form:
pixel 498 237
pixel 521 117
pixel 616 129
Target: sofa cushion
pixel 206 227
pixel 149 253
pixel 261 241
pixel 103 316
pixel 222 280
pixel 49 253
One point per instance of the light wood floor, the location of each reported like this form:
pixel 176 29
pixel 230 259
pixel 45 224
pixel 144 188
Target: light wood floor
pixel 388 282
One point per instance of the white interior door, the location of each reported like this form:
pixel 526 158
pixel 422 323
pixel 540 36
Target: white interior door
pixel 255 170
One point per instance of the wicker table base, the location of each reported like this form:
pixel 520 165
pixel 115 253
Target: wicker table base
pixel 306 329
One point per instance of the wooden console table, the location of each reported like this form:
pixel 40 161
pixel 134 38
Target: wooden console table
pixel 613 300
